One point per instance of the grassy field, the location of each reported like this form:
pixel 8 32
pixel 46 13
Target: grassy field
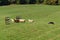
pixel 38 30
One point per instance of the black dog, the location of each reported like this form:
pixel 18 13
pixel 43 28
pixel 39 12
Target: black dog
pixel 51 23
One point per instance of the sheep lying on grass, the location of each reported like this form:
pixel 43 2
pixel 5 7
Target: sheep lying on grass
pixel 7 20
pixel 12 20
pixel 21 20
pixel 16 20
pixel 30 20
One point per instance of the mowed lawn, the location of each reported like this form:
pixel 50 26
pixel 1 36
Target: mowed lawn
pixel 38 30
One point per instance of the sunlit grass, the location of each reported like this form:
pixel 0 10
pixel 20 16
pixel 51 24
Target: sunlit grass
pixel 38 30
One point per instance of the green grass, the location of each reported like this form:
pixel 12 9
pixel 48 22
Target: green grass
pixel 38 30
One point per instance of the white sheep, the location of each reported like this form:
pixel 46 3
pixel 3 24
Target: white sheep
pixel 21 20
pixel 30 20
pixel 12 20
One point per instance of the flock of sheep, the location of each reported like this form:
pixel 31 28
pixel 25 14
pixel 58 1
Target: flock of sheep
pixel 16 20
pixel 21 20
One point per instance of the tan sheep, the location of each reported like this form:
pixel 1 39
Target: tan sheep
pixel 21 20
pixel 30 20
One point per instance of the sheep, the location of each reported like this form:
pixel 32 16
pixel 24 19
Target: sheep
pixel 12 20
pixel 30 20
pixel 7 20
pixel 22 20
pixel 16 20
